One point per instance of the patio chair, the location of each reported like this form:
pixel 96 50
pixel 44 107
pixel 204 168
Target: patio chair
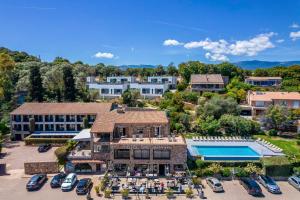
pixel 194 138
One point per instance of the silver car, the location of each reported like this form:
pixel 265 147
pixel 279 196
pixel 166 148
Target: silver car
pixel 295 181
pixel 214 184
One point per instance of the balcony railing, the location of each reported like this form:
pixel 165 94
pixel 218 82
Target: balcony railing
pixel 80 154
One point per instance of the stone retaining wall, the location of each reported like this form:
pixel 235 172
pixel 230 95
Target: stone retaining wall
pixel 41 167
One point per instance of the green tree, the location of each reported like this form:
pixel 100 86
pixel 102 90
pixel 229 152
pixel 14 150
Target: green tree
pixel 218 106
pixel 277 117
pixel 208 126
pixel 236 125
pixel 130 98
pixel 172 70
pixel 7 65
pixel 36 90
pixel 69 84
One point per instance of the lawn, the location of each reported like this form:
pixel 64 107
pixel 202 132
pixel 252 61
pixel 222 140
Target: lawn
pixel 289 146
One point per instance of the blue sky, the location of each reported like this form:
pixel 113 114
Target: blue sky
pixel 153 31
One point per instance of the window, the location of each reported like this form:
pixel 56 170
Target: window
pixel 71 118
pixel 164 80
pixel 48 118
pixel 80 118
pixel 283 103
pixel 71 127
pixel 38 118
pixel 121 131
pixel 296 104
pixel 122 154
pixel 25 127
pixel 159 91
pixel 157 131
pixel 105 149
pixel 104 91
pixel 113 80
pixel 154 80
pixel 124 80
pixel 49 127
pixel 38 127
pixel 17 118
pixel 161 154
pixel 25 118
pixel 60 127
pixel 17 127
pixel 139 130
pixel 59 118
pixel 259 103
pixel 117 91
pixel 146 90
pixel 141 154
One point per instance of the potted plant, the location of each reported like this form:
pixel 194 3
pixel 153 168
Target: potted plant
pixel 169 193
pixel 107 193
pixel 97 190
pixel 125 193
pixel 189 193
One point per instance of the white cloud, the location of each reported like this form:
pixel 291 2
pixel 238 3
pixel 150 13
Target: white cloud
pixel 280 40
pixel 216 57
pixel 295 25
pixel 104 55
pixel 218 50
pixel 171 42
pixel 295 35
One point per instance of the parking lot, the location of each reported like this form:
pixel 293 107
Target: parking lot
pixel 12 186
pixel 16 153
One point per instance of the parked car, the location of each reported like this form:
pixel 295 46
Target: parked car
pixel 84 186
pixel 214 184
pixel 44 147
pixel 295 181
pixel 69 182
pixel 269 184
pixel 57 180
pixel 251 186
pixel 36 182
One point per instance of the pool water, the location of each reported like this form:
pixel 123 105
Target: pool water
pixel 226 152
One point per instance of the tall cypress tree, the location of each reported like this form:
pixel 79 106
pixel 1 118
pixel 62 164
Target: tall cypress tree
pixel 69 84
pixel 36 90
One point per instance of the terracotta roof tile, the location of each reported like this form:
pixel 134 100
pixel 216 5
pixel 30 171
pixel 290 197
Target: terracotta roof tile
pixel 61 108
pixel 269 96
pixel 106 123
pixel 207 79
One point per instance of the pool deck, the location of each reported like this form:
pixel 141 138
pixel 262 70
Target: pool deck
pixel 260 149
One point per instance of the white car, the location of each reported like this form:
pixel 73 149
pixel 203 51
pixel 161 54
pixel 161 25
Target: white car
pixel 69 182
pixel 295 181
pixel 215 184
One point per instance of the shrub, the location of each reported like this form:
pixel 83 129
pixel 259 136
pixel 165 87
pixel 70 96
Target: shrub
pixel 296 170
pixel 277 166
pixel 272 132
pixel 201 164
pixel 241 172
pixel 226 172
pixel 31 141
pixel 207 172
pixel 216 168
pixel 252 169
pixel 61 154
pixel 189 193
pixel 169 193
pixel 196 181
pixel 125 193
pixel 97 189
pixel 298 142
pixel 107 193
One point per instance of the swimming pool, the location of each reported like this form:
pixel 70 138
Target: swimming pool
pixel 226 152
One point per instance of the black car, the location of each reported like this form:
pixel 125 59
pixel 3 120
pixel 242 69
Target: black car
pixel 36 182
pixel 44 147
pixel 251 186
pixel 57 180
pixel 84 186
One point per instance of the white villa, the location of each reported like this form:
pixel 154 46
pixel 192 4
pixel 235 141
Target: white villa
pixel 114 87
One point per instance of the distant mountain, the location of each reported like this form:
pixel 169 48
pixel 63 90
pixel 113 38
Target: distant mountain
pixel 254 64
pixel 124 67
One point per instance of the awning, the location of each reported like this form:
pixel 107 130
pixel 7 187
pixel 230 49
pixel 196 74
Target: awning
pixel 54 133
pixel 87 161
pixel 82 136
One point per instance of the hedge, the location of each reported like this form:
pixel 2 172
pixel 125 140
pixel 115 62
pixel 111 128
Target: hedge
pixel 31 141
pixel 278 166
